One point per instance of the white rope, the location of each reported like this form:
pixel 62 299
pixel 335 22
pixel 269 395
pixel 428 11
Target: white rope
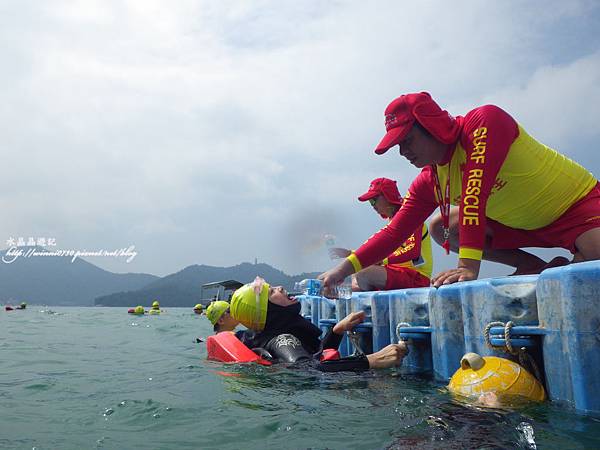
pixel 525 359
pixel 355 339
pixel 398 328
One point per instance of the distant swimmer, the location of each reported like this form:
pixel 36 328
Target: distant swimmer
pixel 23 305
pixel 138 310
pixel 198 308
pixel 155 308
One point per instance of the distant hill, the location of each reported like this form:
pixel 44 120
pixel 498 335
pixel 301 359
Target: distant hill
pixel 183 288
pixel 55 280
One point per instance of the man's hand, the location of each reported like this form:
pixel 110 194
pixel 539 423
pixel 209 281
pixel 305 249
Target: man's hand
pixel 338 252
pixel 335 276
pixel 468 269
pixel 349 322
pixel 389 356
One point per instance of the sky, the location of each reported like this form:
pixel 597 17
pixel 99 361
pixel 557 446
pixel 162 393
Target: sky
pixel 217 132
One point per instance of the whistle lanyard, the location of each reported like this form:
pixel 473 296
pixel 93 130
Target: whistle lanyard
pixel 444 203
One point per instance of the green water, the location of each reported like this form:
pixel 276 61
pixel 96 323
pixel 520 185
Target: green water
pixel 87 378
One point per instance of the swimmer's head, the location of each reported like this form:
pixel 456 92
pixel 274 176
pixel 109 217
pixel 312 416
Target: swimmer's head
pixel 218 313
pixel 139 310
pixel 249 303
pixel 198 308
pixel 155 304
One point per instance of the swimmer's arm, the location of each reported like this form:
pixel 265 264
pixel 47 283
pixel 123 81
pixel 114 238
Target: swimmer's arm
pixel 387 357
pixel 331 340
pixel 349 364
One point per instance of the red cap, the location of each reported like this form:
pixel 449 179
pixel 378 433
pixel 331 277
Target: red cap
pixel 400 115
pixel 385 187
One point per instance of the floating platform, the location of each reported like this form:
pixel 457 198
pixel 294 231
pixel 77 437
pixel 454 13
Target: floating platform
pixel 554 316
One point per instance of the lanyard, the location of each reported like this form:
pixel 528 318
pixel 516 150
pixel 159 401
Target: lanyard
pixel 444 206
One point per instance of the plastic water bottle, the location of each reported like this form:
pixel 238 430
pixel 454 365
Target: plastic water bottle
pixel 309 286
pixel 344 290
pixel 329 244
pixel 315 288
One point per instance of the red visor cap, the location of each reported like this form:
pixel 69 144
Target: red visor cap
pixel 385 187
pixel 400 116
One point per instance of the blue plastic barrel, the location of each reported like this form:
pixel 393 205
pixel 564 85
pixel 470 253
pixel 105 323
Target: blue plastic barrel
pixel 380 318
pixel 363 301
pixel 341 311
pixel 305 306
pixel 569 310
pixel 496 300
pixel 447 334
pixel 410 307
pixel 315 309
pixel 326 308
pixel 327 317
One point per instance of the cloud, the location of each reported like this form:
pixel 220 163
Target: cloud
pixel 559 102
pixel 214 133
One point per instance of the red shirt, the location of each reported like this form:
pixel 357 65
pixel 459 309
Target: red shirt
pixel 420 202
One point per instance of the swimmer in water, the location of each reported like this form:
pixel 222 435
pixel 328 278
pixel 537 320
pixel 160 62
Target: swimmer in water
pixel 278 328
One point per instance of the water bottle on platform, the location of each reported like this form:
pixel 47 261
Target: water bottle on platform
pixel 314 287
pixel 344 290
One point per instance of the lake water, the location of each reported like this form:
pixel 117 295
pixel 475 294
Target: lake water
pixel 88 378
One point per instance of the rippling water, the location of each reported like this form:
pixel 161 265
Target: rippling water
pixel 85 378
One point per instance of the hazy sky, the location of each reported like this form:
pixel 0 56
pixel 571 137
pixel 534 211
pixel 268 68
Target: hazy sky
pixel 216 132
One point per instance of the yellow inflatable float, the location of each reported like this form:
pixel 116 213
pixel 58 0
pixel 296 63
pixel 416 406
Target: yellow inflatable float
pixel 484 375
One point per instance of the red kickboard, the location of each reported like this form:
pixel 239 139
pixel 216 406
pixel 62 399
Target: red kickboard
pixel 225 347
pixel 330 354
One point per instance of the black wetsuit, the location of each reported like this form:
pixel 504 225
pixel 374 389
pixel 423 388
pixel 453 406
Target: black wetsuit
pixel 291 338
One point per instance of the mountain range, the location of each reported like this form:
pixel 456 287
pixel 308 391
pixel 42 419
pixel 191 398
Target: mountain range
pixel 56 280
pixel 183 288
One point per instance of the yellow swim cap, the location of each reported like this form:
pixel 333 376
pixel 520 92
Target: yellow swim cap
pixel 155 304
pixel 480 375
pixel 139 310
pixel 249 304
pixel 198 308
pixel 215 310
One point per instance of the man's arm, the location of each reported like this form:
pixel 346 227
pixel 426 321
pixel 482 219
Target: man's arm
pixel 418 205
pixel 488 133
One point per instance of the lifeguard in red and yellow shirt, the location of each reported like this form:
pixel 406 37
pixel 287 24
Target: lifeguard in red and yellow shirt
pixel 410 265
pixel 511 192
